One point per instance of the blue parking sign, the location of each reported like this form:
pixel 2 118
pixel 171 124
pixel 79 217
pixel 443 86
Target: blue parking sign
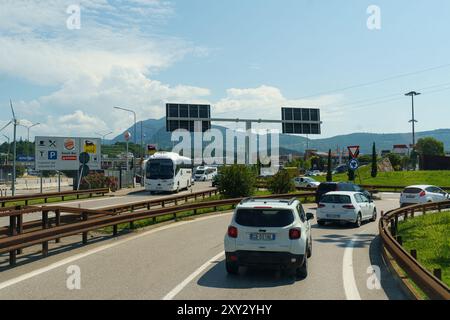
pixel 52 155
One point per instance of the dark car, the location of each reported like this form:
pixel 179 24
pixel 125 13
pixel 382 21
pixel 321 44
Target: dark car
pixel 326 187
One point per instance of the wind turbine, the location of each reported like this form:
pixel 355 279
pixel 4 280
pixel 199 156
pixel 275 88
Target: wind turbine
pixel 15 123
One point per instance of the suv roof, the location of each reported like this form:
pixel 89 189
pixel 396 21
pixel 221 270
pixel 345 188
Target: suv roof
pixel 277 203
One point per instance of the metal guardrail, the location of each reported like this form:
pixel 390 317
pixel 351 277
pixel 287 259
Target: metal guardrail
pixel 83 221
pixel 46 196
pixel 425 280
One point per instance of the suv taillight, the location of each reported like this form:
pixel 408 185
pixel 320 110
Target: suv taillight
pixel 422 194
pixel 232 232
pixel 295 234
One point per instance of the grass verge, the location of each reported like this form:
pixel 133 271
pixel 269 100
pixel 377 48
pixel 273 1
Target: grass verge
pixel 397 178
pixel 429 235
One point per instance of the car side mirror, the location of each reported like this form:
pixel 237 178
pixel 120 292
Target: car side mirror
pixel 309 216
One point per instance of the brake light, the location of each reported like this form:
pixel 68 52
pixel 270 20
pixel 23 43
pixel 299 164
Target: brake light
pixel 422 194
pixel 321 205
pixel 295 234
pixel 348 206
pixel 263 207
pixel 232 232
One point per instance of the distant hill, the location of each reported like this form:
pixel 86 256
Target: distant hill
pixel 155 133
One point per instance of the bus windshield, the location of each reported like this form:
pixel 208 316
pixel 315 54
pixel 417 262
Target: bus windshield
pixel 160 169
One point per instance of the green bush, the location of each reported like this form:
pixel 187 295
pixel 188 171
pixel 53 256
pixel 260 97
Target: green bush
pixel 237 181
pixel 281 183
pixel 98 181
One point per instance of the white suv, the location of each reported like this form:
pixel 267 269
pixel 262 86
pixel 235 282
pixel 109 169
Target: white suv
pixel 269 233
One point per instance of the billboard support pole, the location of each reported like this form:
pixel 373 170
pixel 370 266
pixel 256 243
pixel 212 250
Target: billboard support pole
pixel 80 177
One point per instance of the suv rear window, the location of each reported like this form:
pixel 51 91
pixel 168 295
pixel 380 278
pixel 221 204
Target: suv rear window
pixel 327 187
pixel 272 218
pixel 335 198
pixel 412 190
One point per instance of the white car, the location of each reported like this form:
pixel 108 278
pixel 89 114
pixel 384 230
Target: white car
pixel 305 182
pixel 205 173
pixel 269 233
pixel 345 206
pixel 421 194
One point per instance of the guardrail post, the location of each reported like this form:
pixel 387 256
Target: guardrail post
pixel 438 273
pixel 424 210
pixel 57 222
pixel 19 220
pixel 84 216
pixel 131 225
pixel 414 253
pixel 115 230
pixel 163 204
pixel 406 215
pixel 186 199
pixel 12 232
pixel 45 226
pixel 439 207
pixel 195 197
pixel 413 212
pixel 176 201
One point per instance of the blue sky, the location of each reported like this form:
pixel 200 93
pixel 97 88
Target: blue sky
pixel 247 58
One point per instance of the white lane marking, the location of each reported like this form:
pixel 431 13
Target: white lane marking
pixel 348 275
pixel 68 260
pixel 191 277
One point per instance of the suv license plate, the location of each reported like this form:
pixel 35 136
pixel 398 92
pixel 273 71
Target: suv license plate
pixel 262 236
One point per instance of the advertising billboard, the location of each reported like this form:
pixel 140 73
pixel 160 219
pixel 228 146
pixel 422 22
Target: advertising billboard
pixel 63 153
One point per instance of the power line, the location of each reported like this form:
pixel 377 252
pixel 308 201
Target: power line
pixel 376 81
pixel 364 106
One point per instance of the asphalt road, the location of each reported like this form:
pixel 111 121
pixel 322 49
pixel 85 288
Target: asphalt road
pixel 107 201
pixel 184 260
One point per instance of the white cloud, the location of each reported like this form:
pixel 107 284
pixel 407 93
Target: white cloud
pixel 108 62
pixel 266 102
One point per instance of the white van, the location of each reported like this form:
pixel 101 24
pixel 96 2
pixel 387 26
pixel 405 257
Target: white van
pixel 205 173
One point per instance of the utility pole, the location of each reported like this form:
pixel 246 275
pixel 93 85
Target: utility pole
pixel 412 94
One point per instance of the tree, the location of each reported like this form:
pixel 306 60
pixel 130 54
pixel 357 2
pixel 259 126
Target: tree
pixel 430 147
pixel 396 161
pixel 281 183
pixel 329 174
pixel 374 172
pixel 237 181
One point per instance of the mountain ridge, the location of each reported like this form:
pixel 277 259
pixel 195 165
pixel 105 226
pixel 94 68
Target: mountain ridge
pixel 154 132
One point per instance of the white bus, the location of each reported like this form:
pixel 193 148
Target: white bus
pixel 167 172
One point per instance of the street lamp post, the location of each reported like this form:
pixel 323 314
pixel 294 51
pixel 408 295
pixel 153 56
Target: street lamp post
pixel 134 129
pixel 9 149
pixel 28 134
pixel 412 94
pixel 104 136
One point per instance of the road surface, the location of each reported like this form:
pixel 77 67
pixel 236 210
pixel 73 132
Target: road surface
pixel 184 260
pixel 108 201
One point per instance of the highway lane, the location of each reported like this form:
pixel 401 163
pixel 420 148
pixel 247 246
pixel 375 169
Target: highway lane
pixel 175 260
pixel 107 201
